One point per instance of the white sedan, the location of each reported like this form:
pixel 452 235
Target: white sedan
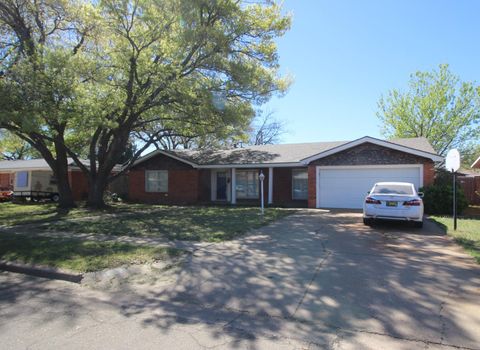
pixel 393 201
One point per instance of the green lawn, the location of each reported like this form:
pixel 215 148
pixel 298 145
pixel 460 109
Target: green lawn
pixel 183 223
pixel 16 214
pixel 77 255
pixel 467 233
pixel 208 223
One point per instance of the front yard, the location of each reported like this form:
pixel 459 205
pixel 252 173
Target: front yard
pixel 467 233
pixel 77 255
pixel 209 223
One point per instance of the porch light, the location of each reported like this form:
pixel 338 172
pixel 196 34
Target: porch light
pixel 261 177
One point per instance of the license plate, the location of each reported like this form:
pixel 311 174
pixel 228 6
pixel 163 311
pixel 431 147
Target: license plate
pixel 392 204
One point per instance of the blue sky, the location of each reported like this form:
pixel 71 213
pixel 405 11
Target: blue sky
pixel 344 54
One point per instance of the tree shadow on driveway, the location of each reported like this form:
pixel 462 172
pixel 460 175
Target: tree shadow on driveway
pixel 321 276
pixel 315 277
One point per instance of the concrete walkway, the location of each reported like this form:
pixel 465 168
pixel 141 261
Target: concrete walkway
pixel 311 280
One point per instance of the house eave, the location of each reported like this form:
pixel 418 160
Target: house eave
pixel 252 165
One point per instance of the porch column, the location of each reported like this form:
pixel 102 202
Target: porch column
pixel 234 186
pixel 270 185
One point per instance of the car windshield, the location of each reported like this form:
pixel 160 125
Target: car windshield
pixel 393 189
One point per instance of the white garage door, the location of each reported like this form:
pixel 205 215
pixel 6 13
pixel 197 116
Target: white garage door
pixel 347 187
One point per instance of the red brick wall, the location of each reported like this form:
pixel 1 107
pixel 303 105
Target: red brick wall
pixel 282 188
pixel 428 173
pixel 204 185
pixel 183 187
pixel 183 182
pixel 312 186
pixel 6 181
pixel 79 184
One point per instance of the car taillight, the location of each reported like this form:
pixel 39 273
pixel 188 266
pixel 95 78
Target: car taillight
pixel 370 200
pixel 413 203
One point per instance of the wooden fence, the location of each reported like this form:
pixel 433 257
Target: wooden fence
pixel 471 187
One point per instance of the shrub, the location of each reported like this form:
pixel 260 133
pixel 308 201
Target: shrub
pixel 438 198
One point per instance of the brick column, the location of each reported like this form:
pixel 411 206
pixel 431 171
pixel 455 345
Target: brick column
pixel 234 186
pixel 270 185
pixel 312 186
pixel 428 173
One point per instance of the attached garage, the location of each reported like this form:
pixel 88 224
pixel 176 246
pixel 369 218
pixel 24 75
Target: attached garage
pixel 346 186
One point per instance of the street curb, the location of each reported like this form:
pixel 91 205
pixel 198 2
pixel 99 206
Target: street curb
pixel 44 272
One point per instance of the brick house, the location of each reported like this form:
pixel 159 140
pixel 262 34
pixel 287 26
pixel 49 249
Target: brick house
pixel 36 175
pixel 315 175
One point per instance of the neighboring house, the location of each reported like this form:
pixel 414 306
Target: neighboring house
pixel 36 175
pixel 315 175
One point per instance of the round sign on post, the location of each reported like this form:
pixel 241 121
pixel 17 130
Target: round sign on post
pixel 452 161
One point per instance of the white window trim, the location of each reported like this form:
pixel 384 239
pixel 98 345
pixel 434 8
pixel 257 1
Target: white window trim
pixel 146 180
pixel 298 170
pixel 258 185
pixel 29 180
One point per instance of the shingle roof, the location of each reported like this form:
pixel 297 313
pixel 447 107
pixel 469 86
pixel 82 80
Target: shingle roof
pixel 264 154
pixel 419 143
pixel 277 154
pixel 23 164
pixel 32 164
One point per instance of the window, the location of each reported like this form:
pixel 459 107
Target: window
pixel 299 184
pixel 22 179
pixel 393 189
pixel 156 181
pixel 247 184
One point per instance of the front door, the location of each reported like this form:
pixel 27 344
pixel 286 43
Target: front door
pixel 221 186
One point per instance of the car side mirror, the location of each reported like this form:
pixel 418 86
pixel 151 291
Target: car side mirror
pixel 420 194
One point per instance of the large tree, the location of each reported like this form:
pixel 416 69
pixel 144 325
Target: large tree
pixel 97 72
pixel 438 106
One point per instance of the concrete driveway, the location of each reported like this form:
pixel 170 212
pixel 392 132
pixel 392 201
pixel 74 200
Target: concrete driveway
pixel 312 280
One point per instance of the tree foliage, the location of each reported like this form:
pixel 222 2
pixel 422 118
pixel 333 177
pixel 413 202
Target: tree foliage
pixel 91 75
pixel 14 148
pixel 438 198
pixel 438 106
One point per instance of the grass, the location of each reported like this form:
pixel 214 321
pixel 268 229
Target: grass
pixel 77 255
pixel 467 233
pixel 208 223
pixel 17 214
pixel 211 224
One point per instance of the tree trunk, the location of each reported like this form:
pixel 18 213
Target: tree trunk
pixel 96 190
pixel 65 193
pixel 63 184
pixel 60 168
